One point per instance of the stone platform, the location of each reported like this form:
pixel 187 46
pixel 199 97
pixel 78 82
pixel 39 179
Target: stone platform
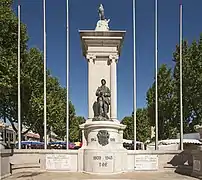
pixel 103 151
pixel 36 174
pixel 72 160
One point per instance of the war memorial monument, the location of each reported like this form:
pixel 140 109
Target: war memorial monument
pixel 102 151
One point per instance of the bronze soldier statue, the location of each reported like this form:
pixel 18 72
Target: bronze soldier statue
pixel 101 12
pixel 103 100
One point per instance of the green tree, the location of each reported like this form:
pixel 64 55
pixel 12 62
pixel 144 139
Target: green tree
pixel 8 60
pixel 129 131
pixel 192 80
pixel 59 127
pixel 32 104
pixel 142 126
pixel 75 132
pixel 56 108
pixel 33 71
pixel 166 108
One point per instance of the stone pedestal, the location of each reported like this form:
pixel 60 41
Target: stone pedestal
pixel 198 128
pixel 5 169
pixel 102 50
pixel 103 150
pixel 197 163
pixel 197 156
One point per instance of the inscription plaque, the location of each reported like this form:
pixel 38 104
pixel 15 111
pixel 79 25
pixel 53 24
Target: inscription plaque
pixel 103 161
pixel 146 162
pixel 103 164
pixel 96 157
pixel 108 157
pixel 58 162
pixel 196 165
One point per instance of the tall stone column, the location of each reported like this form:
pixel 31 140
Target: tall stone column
pixel 91 58
pixel 113 86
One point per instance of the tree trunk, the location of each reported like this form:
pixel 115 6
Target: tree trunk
pixel 41 136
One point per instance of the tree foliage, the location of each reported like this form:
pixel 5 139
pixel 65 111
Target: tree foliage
pixel 192 80
pixel 32 82
pixel 129 131
pixel 169 92
pixel 142 124
pixel 8 60
pixel 32 96
pixel 166 99
pixel 75 132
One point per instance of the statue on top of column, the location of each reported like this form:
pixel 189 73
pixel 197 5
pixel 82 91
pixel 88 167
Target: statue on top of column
pixel 101 12
pixel 101 107
pixel 102 24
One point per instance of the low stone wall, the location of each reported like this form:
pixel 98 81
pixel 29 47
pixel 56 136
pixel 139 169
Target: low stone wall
pixel 26 156
pixel 68 159
pixel 33 157
pixel 197 163
pixel 5 170
pixel 167 160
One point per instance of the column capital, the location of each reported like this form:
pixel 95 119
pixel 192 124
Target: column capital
pixel 113 57
pixel 90 57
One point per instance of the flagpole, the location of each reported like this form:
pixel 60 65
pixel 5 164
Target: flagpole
pixel 67 79
pixel 19 97
pixel 181 104
pixel 134 73
pixel 45 120
pixel 156 74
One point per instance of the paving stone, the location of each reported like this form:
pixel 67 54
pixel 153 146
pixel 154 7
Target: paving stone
pixel 37 174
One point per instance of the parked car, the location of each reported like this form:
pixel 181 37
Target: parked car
pixel 77 145
pixel 61 145
pixel 71 145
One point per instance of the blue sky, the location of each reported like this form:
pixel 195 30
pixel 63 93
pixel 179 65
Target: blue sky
pixel 83 15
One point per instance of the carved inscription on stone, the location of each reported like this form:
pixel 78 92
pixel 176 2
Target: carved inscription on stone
pixel 93 139
pixel 103 161
pixel 112 139
pixel 146 162
pixel 96 158
pixel 108 157
pixel 58 162
pixel 196 165
pixel 104 164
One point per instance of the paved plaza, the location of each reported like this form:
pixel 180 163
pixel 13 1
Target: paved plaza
pixel 36 174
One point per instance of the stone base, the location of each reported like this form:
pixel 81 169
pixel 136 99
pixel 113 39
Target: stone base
pixel 101 119
pixel 197 163
pixel 102 149
pixel 184 169
pixel 5 169
pixel 104 161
